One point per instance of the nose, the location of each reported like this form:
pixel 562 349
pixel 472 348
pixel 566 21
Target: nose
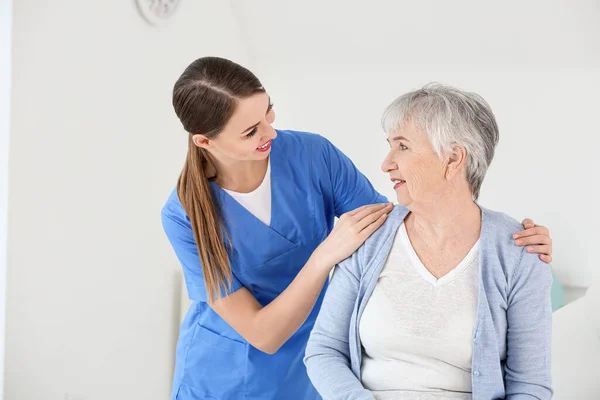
pixel 269 130
pixel 273 133
pixel 388 164
pixel 268 134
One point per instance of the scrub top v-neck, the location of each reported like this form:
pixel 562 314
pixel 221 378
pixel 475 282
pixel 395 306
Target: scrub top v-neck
pixel 258 201
pixel 312 182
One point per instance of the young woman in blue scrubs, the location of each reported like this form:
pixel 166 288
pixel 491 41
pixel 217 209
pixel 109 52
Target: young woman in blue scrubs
pixel 252 223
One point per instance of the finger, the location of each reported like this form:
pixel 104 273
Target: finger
pixel 368 231
pixel 367 207
pixel 369 219
pixel 546 259
pixel 528 223
pixel 372 210
pixel 544 249
pixel 538 230
pixel 357 210
pixel 535 239
pixel 543 230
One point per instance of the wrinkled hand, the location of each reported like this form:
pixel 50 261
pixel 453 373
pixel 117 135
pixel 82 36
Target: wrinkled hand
pixel 351 231
pixel 536 238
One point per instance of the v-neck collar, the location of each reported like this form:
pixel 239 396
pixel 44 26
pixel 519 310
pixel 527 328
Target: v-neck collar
pixel 253 240
pixel 424 272
pixel 261 193
pixel 265 180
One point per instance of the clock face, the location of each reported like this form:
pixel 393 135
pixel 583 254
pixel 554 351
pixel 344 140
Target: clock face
pixel 157 12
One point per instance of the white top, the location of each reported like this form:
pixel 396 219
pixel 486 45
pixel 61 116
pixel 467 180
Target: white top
pixel 258 202
pixel 416 330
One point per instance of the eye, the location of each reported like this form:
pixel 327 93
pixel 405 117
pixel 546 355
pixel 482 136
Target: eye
pixel 270 107
pixel 403 147
pixel 251 133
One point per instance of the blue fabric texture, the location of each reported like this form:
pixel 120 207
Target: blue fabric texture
pixel 312 182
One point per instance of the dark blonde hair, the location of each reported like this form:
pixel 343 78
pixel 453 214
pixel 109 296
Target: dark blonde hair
pixel 204 98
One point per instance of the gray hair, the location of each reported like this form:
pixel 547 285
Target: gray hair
pixel 449 116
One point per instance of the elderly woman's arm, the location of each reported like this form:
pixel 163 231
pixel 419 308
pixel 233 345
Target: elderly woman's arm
pixel 529 340
pixel 328 352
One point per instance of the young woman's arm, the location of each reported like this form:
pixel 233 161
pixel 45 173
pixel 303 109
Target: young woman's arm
pixel 268 328
pixel 350 188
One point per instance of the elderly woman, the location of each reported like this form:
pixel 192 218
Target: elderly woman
pixel 438 303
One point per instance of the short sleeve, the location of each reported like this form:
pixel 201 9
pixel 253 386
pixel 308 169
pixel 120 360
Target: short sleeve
pixel 182 240
pixel 351 189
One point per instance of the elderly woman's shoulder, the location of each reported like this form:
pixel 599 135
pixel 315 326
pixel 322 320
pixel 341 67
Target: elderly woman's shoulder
pixel 378 239
pixel 497 230
pixel 500 220
pixel 380 242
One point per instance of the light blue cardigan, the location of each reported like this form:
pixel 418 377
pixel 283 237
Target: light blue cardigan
pixel 512 335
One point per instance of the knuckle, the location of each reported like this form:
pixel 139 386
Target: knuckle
pixel 523 241
pixel 538 239
pixel 547 239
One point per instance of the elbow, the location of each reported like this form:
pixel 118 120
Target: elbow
pixel 527 391
pixel 312 365
pixel 270 350
pixel 269 347
pixel 263 339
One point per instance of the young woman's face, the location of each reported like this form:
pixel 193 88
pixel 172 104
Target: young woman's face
pixel 248 134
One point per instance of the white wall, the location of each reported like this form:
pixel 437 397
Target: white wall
pixel 332 68
pixel 5 78
pixel 96 149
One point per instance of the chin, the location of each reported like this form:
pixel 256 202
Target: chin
pixel 261 156
pixel 403 201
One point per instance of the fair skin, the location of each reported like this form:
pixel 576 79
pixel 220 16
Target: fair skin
pixel 444 222
pixel 241 152
pixel 241 167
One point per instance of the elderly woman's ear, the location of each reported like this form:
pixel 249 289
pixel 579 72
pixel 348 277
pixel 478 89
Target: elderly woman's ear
pixel 455 161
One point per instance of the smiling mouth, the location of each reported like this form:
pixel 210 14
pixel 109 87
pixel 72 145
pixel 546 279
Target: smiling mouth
pixel 398 183
pixel 265 146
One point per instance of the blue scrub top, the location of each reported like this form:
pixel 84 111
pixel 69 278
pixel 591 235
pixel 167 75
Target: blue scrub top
pixel 311 183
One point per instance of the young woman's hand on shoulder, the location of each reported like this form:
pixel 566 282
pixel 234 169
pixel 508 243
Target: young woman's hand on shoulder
pixel 351 231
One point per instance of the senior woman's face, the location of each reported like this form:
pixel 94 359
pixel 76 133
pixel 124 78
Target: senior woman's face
pixel 416 171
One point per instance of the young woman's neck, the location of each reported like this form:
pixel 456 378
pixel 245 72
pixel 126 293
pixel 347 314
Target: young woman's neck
pixel 240 176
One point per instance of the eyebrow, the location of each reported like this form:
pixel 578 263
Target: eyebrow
pixel 398 138
pixel 255 125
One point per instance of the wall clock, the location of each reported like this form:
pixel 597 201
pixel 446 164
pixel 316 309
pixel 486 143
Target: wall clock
pixel 157 12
